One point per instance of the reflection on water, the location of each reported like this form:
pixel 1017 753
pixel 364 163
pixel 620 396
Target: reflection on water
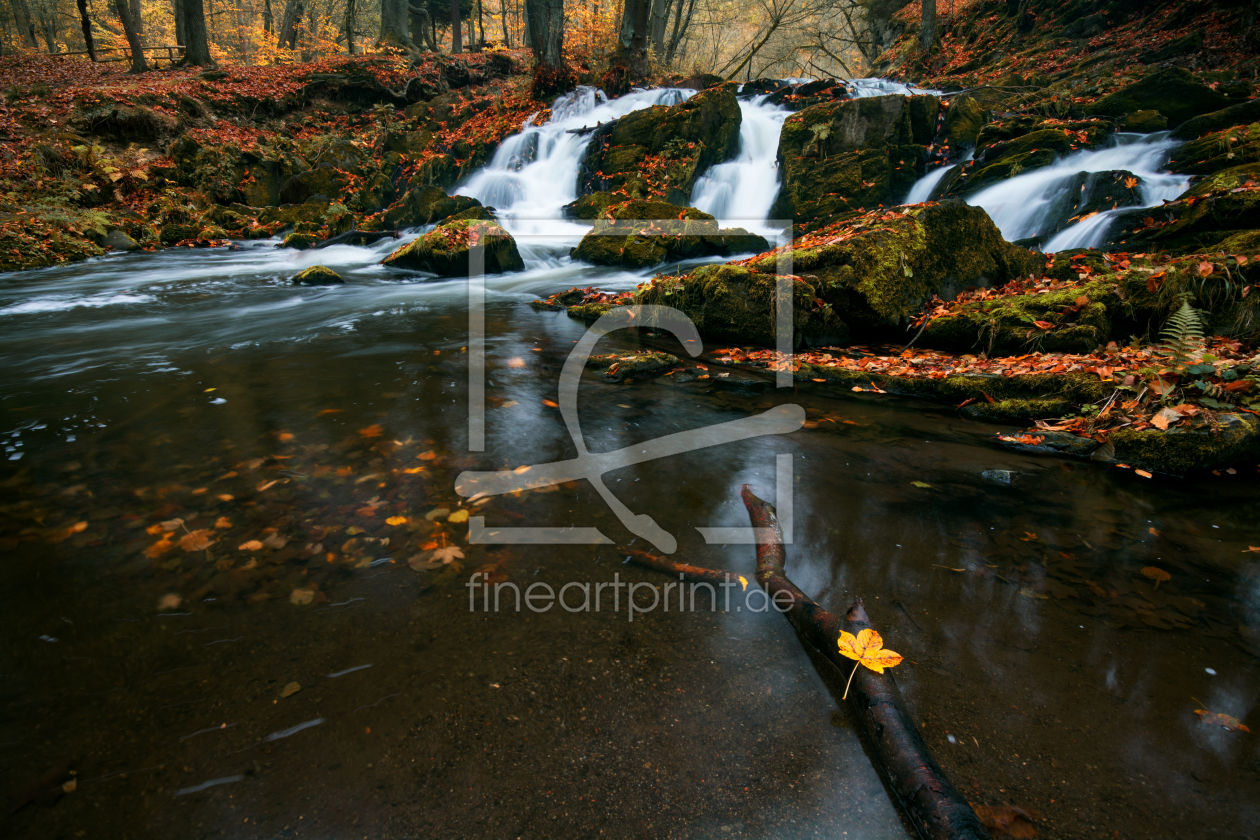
pixel 234 485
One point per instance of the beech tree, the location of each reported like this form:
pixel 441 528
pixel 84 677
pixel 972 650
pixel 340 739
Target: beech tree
pixel 123 8
pixel 927 26
pixel 190 18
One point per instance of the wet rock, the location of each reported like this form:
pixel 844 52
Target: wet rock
pixel 445 249
pixel 1004 477
pixel 1218 150
pixel 688 137
pixel 299 241
pixel 859 279
pixel 638 234
pixel 1145 122
pixel 429 204
pixel 408 142
pixel 116 240
pixel 963 121
pixel 1211 212
pixel 1016 410
pixel 317 275
pixel 290 214
pixel 842 156
pixel 1177 46
pixel 1173 92
pixel 616 367
pixel 588 207
pixel 1235 115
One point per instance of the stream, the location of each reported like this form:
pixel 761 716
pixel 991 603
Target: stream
pixel 201 386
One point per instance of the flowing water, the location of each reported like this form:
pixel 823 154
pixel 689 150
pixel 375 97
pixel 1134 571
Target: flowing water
pixel 739 193
pixel 295 450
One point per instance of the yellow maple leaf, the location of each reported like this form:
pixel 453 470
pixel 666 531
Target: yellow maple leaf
pixel 458 516
pixel 396 520
pixel 867 647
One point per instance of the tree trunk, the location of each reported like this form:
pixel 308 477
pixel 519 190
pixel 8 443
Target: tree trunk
pixel 544 21
pixel 50 31
pixel 196 38
pixel 421 25
pixel 927 26
pixel 25 26
pixel 660 17
pixel 481 28
pixel 503 8
pixel 268 20
pixel 137 17
pixel 457 46
pixel 123 8
pixel 633 39
pixel 181 37
pixel 86 22
pixel 394 23
pixel 293 10
pixel 350 23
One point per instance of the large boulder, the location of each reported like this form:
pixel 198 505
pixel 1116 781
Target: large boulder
pixel 1218 208
pixel 1173 91
pixel 842 156
pixel 963 121
pixel 1218 150
pixel 445 249
pixel 317 275
pixel 426 205
pixel 860 279
pixel 663 150
pixel 1240 114
pixel 639 234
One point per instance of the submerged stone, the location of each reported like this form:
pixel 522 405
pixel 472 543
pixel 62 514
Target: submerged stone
pixel 116 240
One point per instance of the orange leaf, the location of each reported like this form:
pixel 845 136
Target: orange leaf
pixel 1157 575
pixel 198 540
pixel 374 430
pixel 551 403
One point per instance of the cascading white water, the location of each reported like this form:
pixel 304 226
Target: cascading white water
pixel 739 192
pixel 923 188
pixel 864 88
pixel 1024 206
pixel 534 173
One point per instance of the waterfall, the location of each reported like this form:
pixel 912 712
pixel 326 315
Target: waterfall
pixel 1025 206
pixel 739 192
pixel 864 88
pixel 534 173
pixel 925 186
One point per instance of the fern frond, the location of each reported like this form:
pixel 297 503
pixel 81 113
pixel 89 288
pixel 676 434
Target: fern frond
pixel 1182 336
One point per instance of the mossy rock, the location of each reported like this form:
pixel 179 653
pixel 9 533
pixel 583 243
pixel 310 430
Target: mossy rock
pixel 322 183
pixel 872 273
pixel 670 233
pixel 1218 150
pixel 293 213
pixel 1240 114
pixel 632 365
pixel 445 250
pixel 1145 122
pixel 426 205
pixel 963 121
pixel 589 207
pixel 317 275
pixel 692 136
pixel 170 234
pixel 299 241
pixel 841 156
pixel 1194 228
pixel 1017 411
pixel 1030 394
pixel 125 123
pixel 408 142
pixel 1173 92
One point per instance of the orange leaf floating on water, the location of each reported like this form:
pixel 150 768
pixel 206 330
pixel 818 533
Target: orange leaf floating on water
pixel 285 436
pixel 551 403
pixel 223 522
pixel 413 470
pixel 159 548
pixel 198 540
pixel 226 497
pixel 867 647
pixel 1255 548
pixel 1229 722
pixel 396 520
pixel 458 516
pixel 331 411
pixel 252 545
pixel 1143 473
pixel 516 362
pixel 1157 575
pixel 427 456
pixel 1006 820
pixel 375 430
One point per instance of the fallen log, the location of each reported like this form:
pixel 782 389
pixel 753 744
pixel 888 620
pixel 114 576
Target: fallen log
pixel 917 783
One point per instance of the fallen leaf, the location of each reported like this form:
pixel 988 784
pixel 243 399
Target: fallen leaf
pixel 1165 418
pixel 1157 575
pixel 458 516
pixel 198 540
pixel 275 542
pixel 159 548
pixel 290 689
pixel 226 497
pixel 267 485
pixel 169 601
pixel 921 484
pixel 1229 722
pixel 516 362
pixel 252 545
pixel 223 522
pixel 1006 820
pixel 551 403
pixel 285 436
pixel 375 430
pixel 867 648
pixel 301 597
pixel 172 524
pixel 1143 473
pixel 427 456
pixel 437 513
pixel 396 520
pixel 446 554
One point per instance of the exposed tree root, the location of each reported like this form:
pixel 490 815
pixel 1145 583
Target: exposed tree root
pixel 918 784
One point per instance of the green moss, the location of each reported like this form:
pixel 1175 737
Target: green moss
pixel 299 241
pixel 963 121
pixel 317 275
pixel 1020 410
pixel 1180 449
pixel 445 251
pixel 1173 92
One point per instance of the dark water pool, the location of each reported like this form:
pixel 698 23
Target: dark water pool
pixel 200 393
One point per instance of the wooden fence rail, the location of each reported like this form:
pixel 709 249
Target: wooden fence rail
pixel 170 53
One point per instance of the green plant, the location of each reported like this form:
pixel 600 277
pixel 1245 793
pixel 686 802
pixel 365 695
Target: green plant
pixel 1182 337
